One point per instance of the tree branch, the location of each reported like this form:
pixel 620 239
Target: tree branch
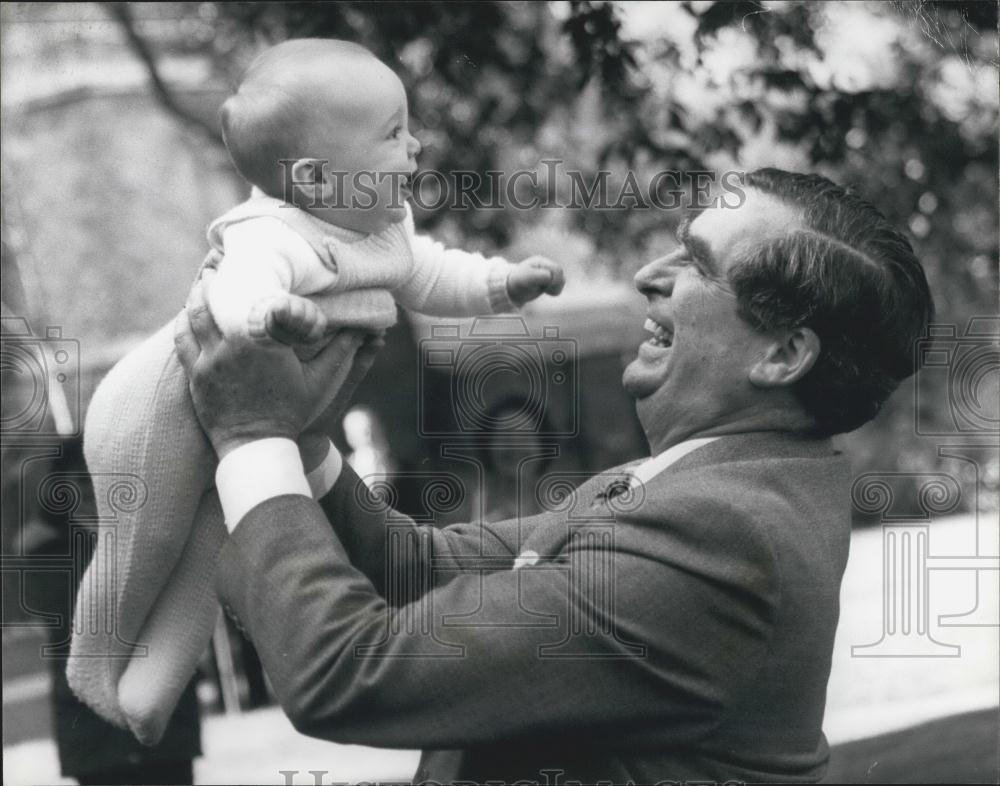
pixel 121 13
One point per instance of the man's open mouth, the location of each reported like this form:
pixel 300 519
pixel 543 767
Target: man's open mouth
pixel 663 335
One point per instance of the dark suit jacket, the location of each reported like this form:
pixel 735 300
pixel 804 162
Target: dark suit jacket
pixel 684 634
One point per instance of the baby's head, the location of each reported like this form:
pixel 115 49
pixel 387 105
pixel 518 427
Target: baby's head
pixel 324 124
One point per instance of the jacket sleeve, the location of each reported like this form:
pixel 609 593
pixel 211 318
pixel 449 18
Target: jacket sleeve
pixel 380 541
pixel 619 657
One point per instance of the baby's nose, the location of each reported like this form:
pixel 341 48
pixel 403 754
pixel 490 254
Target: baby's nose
pixel 413 147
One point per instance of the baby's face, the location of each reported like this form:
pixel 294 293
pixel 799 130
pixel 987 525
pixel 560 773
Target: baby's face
pixel 371 152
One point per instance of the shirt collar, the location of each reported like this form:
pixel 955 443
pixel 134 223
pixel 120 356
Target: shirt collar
pixel 651 467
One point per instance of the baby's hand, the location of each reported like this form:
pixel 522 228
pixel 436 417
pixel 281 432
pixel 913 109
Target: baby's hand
pixel 290 319
pixel 533 277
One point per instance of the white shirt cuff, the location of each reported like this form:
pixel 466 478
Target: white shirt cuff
pixel 256 472
pixel 322 478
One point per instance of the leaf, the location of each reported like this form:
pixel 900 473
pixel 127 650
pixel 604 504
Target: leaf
pixel 723 14
pixel 782 79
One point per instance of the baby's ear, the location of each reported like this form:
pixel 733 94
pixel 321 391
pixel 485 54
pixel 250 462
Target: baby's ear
pixel 307 178
pixel 307 171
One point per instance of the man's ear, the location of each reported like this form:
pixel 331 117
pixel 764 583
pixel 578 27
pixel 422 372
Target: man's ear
pixel 307 179
pixel 786 360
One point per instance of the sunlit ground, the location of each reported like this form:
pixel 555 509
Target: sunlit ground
pixel 867 695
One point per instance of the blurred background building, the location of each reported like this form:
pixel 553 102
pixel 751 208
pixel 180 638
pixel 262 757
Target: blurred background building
pixel 112 168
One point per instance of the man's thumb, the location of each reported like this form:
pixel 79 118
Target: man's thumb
pixel 334 361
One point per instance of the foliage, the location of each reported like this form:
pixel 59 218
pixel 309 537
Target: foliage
pixel 499 85
pixel 490 79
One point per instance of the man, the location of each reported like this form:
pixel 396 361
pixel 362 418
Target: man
pixel 689 639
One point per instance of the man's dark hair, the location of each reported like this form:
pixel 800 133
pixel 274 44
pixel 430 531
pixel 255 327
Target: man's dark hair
pixel 853 279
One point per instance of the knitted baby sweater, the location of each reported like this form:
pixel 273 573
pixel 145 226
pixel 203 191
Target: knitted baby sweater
pixel 271 247
pixel 146 608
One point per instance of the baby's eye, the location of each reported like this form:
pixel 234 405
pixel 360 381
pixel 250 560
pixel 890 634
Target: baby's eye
pixel 396 132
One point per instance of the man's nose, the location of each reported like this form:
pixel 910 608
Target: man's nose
pixel 656 277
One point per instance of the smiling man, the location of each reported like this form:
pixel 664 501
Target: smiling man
pixel 684 607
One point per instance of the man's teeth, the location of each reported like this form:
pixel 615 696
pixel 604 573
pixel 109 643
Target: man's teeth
pixel 661 337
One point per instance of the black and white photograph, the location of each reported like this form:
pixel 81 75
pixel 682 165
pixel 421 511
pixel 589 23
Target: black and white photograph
pixel 483 393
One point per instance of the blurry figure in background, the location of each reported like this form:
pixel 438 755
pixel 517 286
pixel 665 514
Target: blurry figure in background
pixel 90 749
pixel 369 456
pixel 512 470
pixel 93 751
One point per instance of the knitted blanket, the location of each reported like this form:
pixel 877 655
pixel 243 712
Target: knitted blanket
pixel 146 609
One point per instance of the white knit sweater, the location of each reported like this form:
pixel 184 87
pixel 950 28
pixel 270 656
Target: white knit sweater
pixel 269 247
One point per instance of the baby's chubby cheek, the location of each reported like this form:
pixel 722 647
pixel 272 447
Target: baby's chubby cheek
pixel 393 205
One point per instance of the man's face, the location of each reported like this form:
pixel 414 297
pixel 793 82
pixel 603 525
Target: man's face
pixel 693 373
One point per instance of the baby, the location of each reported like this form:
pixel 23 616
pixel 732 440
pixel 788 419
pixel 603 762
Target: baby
pixel 326 240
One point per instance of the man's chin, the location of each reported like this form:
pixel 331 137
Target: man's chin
pixel 638 382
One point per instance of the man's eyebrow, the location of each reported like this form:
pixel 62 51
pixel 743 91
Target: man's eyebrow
pixel 698 248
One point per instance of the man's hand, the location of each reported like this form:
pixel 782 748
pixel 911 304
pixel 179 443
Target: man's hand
pixel 534 277
pixel 314 442
pixel 244 390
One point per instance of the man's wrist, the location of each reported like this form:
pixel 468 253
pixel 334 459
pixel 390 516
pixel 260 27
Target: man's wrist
pixel 314 449
pixel 235 438
pixel 257 471
pixel 498 287
pixel 324 475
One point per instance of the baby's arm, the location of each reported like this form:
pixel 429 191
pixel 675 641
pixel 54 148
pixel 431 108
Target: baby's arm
pixel 264 263
pixel 451 282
